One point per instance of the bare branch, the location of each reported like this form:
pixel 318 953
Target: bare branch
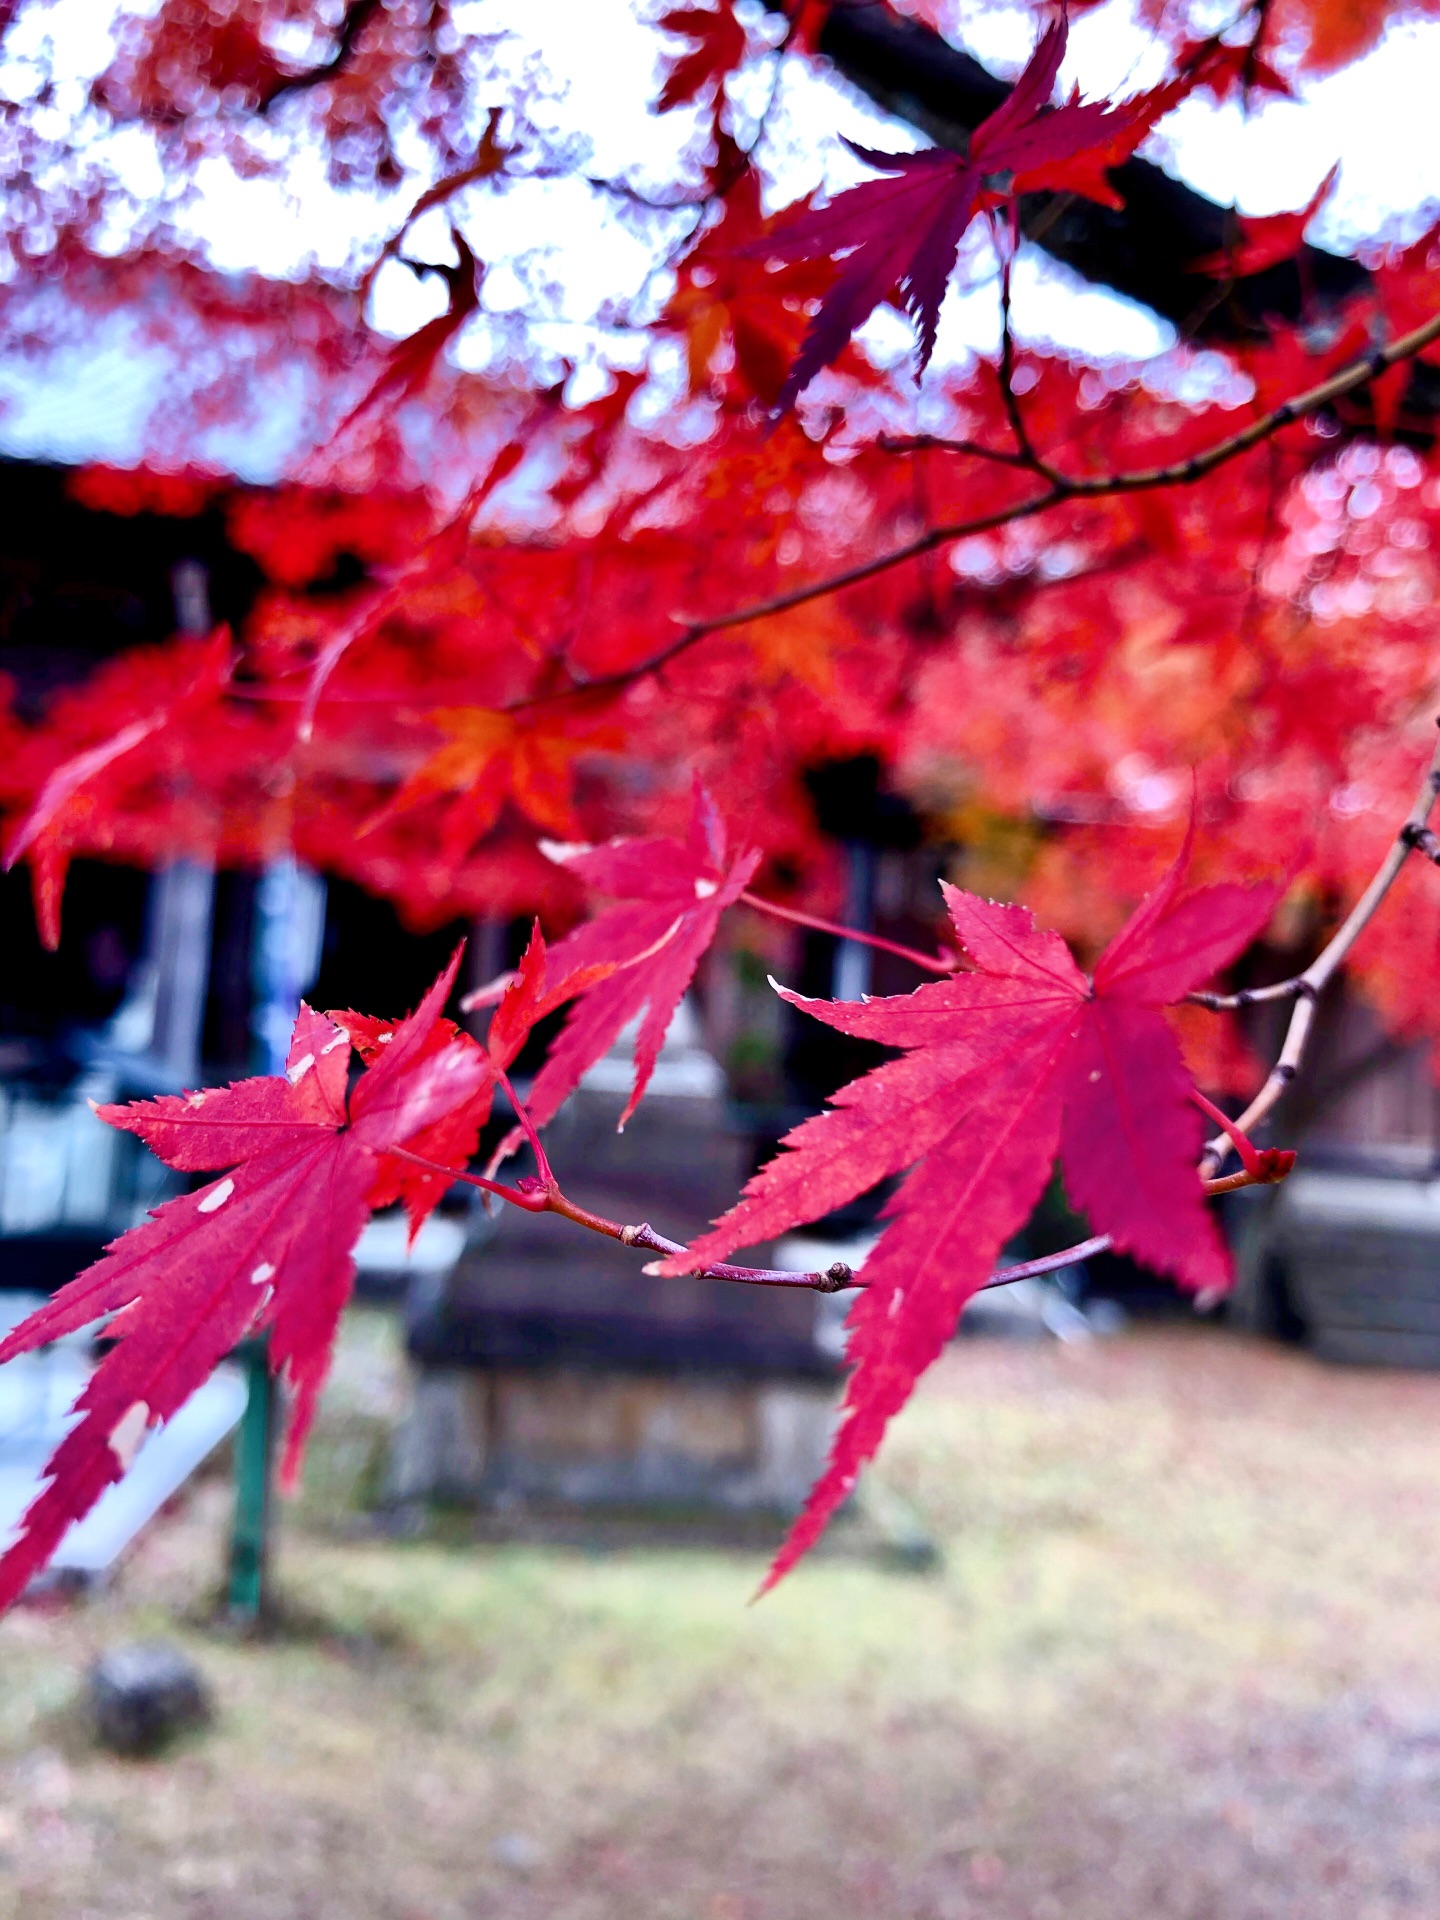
pixel 356 18
pixel 1248 996
pixel 937 443
pixel 1306 988
pixel 1061 487
pixel 539 1196
pixel 1050 1262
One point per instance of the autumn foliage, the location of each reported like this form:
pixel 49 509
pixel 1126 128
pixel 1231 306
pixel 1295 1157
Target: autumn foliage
pixel 1079 613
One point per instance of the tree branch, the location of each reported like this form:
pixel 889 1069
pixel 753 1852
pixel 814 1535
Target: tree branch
pixel 1306 988
pixel 1061 487
pixel 539 1196
pixel 357 17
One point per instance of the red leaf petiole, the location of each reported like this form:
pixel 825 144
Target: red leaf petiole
pixel 1264 1166
pixel 527 1127
pixel 940 963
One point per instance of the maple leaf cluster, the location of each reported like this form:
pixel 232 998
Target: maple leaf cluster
pixel 1003 1067
pixel 1060 604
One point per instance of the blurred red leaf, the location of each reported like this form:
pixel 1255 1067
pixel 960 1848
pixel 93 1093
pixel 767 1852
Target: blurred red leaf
pixel 717 48
pixel 1266 240
pixel 268 1247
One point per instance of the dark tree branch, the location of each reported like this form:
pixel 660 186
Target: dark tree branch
pixel 1057 488
pixel 358 16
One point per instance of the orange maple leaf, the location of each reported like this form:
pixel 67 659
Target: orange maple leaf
pixel 488 758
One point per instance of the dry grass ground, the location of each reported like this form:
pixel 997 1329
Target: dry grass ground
pixel 1181 1662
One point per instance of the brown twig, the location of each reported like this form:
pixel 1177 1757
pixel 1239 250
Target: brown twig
pixel 1025 446
pixel 356 18
pixel 937 443
pixel 1305 988
pixel 540 1196
pixel 537 1196
pixel 1060 488
pixel 1049 1262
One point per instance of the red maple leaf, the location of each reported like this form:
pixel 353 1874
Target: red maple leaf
pixel 1226 70
pixel 807 23
pixel 1004 1068
pixel 267 1247
pixel 725 295
pixel 718 47
pixel 1268 239
pixel 166 685
pixel 671 895
pixel 453 1137
pixel 411 361
pixel 904 232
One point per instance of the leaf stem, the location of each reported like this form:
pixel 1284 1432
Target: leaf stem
pixel 931 963
pixel 1049 1262
pixel 1263 1166
pixel 514 1195
pixel 527 1127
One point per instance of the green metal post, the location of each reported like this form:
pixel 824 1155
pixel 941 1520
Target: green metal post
pixel 254 1459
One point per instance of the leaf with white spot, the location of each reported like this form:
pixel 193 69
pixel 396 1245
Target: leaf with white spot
pixel 642 952
pixel 267 1247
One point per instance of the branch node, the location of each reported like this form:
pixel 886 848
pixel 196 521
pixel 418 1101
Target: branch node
pixel 1423 839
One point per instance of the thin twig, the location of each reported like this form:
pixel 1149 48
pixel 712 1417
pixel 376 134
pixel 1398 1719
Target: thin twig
pixel 931 963
pixel 1062 487
pixel 1029 457
pixel 353 23
pixel 1050 1262
pixel 937 443
pixel 1306 988
pixel 538 1196
pixel 1246 997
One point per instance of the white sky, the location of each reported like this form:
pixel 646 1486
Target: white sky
pixel 555 251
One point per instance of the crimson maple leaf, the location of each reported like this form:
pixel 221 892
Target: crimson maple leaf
pixel 904 232
pixel 1004 1067
pixel 266 1248
pixel 1265 240
pixel 410 362
pixel 1228 70
pixel 453 1137
pixel 718 48
pixel 645 949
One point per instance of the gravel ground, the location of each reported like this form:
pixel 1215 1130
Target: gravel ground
pixel 1180 1662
